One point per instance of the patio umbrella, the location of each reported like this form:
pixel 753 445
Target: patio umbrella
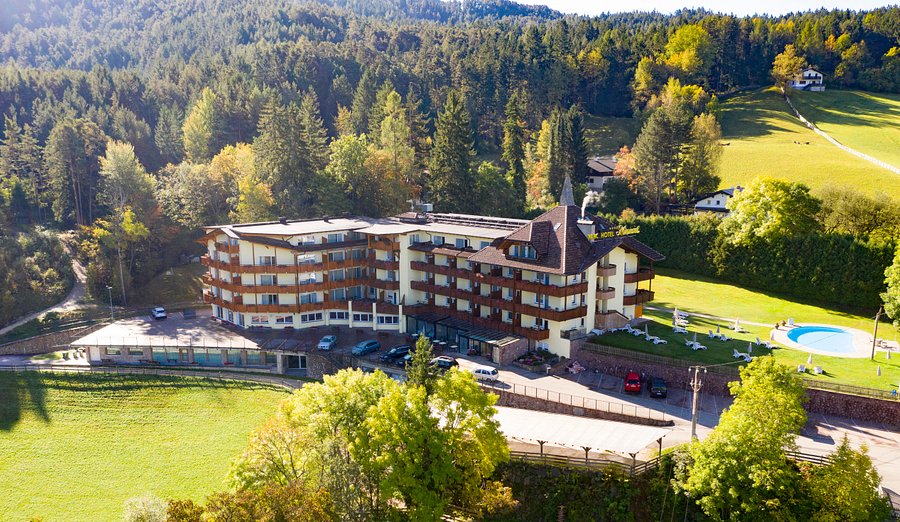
pixel 675 313
pixel 809 359
pixel 717 329
pixel 646 331
pixel 695 337
pixel 879 370
pixel 749 348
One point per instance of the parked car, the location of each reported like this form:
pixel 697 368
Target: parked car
pixel 395 353
pixel 486 373
pixel 328 342
pixel 404 361
pixel 444 362
pixel 632 383
pixel 658 388
pixel 159 313
pixel 365 347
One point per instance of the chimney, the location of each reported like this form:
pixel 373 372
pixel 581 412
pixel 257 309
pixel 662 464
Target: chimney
pixel 282 220
pixel 586 226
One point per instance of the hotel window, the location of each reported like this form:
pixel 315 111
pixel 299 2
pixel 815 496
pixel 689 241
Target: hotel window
pixel 306 259
pixel 391 275
pixel 355 292
pixel 526 251
pixel 240 318
pixel 284 319
pixel 336 256
pixel 309 240
pixel 391 297
pixel 268 299
pixel 309 318
pixel 259 319
pixel 359 253
pixel 437 240
pixel 267 279
pixel 307 278
pixel 362 318
pixel 113 350
pixel 413 239
pixel 388 319
pixel 267 260
pixel 355 236
pixel 338 294
pixel 338 316
pixel 133 351
pixel 336 237
pixel 484 244
pixel 336 275
pixel 309 298
pixel 509 316
pixel 355 273
pixel 462 243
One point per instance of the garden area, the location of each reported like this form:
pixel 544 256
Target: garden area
pixel 699 295
pixel 76 447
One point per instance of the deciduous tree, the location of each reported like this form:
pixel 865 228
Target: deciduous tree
pixel 769 208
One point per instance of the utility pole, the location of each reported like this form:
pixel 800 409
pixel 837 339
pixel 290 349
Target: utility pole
pixel 696 384
pixel 875 333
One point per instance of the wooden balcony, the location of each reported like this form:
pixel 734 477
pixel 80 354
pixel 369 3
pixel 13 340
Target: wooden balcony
pixel 642 296
pixel 383 284
pixel 606 271
pixel 551 314
pixel 644 274
pixel 227 248
pixel 604 294
pixel 383 243
pixel 365 306
pixel 383 264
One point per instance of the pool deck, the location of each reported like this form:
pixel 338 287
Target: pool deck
pixel 862 342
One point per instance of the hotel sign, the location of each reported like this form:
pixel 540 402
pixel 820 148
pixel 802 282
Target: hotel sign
pixel 616 232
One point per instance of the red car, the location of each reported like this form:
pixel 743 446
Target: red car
pixel 632 383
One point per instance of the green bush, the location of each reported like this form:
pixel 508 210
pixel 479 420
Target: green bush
pixel 833 268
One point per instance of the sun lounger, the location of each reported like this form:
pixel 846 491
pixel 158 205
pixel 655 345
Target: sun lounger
pixel 680 330
pixel 817 370
pixel 801 368
pixel 658 340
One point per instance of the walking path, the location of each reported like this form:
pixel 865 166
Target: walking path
pixel 71 302
pixel 836 143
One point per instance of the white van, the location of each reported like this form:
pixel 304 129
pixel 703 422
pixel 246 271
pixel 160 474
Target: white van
pixel 486 373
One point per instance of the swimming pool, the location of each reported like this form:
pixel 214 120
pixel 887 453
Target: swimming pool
pixel 824 339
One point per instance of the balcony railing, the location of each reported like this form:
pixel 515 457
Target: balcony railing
pixel 642 296
pixel 606 270
pixel 605 294
pixel 644 274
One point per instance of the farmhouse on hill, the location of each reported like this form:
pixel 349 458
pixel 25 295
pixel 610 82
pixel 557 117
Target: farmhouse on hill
pixel 601 169
pixel 716 202
pixel 809 79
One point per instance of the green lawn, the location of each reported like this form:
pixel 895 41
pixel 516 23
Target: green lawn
pixel 605 135
pixel 867 122
pixel 695 294
pixel 759 135
pixel 182 285
pixel 75 447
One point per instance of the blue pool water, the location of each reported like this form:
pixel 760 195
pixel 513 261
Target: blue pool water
pixel 823 338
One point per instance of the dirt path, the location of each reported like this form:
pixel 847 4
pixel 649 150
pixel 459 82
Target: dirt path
pixel 71 302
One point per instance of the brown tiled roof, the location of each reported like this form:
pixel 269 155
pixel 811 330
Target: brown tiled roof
pixel 444 250
pixel 561 246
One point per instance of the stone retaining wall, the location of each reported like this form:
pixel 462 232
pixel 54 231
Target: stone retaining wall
pixel 46 343
pixel 515 400
pixel 854 407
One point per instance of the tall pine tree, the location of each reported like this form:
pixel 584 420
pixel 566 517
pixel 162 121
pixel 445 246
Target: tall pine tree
pixel 450 168
pixel 515 135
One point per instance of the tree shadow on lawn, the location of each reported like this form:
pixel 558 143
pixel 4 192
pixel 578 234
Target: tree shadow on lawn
pixel 851 108
pixel 26 391
pixel 841 311
pixel 756 114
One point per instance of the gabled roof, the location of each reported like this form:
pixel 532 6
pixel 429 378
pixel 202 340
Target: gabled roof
pixel 561 246
pixel 727 191
pixel 602 165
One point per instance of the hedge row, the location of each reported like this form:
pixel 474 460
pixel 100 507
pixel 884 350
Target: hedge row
pixel 833 268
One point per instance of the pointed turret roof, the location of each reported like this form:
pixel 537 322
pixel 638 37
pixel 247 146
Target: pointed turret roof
pixel 567 198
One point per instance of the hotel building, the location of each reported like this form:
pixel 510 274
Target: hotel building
pixel 498 286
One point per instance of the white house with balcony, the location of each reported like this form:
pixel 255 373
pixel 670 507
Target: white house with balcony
pixel 809 79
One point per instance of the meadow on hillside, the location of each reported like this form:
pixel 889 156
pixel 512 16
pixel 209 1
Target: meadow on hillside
pixel 761 137
pixel 865 121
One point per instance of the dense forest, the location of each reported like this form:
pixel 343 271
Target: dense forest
pixel 135 122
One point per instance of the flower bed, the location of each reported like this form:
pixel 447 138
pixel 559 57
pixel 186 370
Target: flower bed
pixel 536 361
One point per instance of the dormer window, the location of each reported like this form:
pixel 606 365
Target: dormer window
pixel 526 251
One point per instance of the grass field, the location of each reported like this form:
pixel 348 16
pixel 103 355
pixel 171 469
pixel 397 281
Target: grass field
pixel 179 285
pixel 605 135
pixel 696 294
pixel 867 122
pixel 75 447
pixel 760 133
